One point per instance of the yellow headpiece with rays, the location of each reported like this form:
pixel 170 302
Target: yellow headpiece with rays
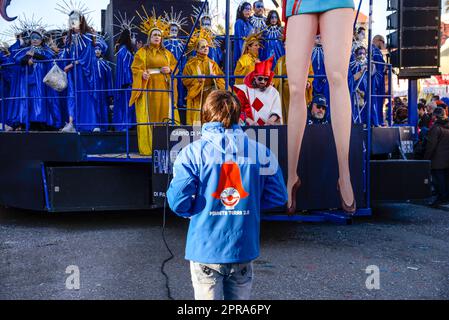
pixel 202 34
pixel 251 38
pixel 153 22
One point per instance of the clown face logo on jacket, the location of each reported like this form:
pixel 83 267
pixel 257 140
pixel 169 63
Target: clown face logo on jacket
pixel 230 198
pixel 230 186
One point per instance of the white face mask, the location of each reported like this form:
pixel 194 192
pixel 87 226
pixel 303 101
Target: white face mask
pixel 133 40
pixel 207 23
pixel 174 31
pixel 361 36
pixel 75 21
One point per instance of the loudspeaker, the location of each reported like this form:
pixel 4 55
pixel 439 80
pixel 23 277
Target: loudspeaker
pixel 99 188
pixel 415 41
pixel 416 57
pixel 395 4
pixel 400 180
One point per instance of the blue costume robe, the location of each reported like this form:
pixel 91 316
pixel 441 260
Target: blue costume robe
pixel 378 86
pixel 259 23
pixel 30 84
pixel 176 47
pixel 5 86
pixel 123 80
pixel 362 85
pixel 104 84
pixel 13 106
pixel 351 85
pixel 62 96
pixel 274 46
pixel 320 83
pixel 242 29
pixel 216 54
pixel 82 77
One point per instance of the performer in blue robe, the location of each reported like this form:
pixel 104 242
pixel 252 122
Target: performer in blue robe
pixel 359 69
pixel 351 86
pixel 104 85
pixel 258 20
pixel 176 47
pixel 5 84
pixel 215 52
pixel 31 84
pixel 63 55
pixel 81 76
pixel 378 81
pixel 242 29
pixel 273 35
pixel 320 83
pixel 13 106
pixel 123 80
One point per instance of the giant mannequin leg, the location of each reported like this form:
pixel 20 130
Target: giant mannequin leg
pixel 336 37
pixel 301 32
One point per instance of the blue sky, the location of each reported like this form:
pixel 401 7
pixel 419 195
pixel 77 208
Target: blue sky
pixel 46 9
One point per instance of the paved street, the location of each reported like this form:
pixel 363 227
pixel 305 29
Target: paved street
pixel 119 256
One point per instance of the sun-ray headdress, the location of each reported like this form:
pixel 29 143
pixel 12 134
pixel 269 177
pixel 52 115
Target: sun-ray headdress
pixel 207 13
pixel 251 38
pixel 151 23
pixel 123 23
pixel 68 7
pixel 175 19
pixel 4 46
pixel 202 34
pixel 26 26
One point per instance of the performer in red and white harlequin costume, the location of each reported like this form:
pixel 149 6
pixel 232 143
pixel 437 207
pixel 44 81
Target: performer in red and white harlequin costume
pixel 261 102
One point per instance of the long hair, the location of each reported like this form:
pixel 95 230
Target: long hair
pixel 240 10
pixel 270 16
pixel 221 106
pixel 124 39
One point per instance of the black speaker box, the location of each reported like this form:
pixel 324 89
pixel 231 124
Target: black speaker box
pixel 416 57
pixel 400 180
pixel 83 188
pixel 395 4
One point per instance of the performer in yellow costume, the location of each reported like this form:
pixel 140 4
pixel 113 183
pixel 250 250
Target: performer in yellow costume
pixel 249 58
pixel 201 65
pixel 152 68
pixel 281 85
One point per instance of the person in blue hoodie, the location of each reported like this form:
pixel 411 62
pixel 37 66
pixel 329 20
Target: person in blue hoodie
pixel 221 183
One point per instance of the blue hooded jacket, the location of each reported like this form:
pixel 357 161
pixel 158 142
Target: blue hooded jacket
pixel 222 182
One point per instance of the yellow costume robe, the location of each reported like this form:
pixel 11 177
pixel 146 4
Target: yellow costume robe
pixel 245 66
pixel 151 106
pixel 282 86
pixel 197 91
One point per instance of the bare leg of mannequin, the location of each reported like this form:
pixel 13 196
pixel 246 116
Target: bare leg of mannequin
pixel 301 32
pixel 336 37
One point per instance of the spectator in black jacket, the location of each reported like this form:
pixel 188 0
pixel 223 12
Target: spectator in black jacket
pixel 437 150
pixel 424 117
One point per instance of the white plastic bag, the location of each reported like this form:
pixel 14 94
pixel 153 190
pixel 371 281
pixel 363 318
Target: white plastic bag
pixel 56 79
